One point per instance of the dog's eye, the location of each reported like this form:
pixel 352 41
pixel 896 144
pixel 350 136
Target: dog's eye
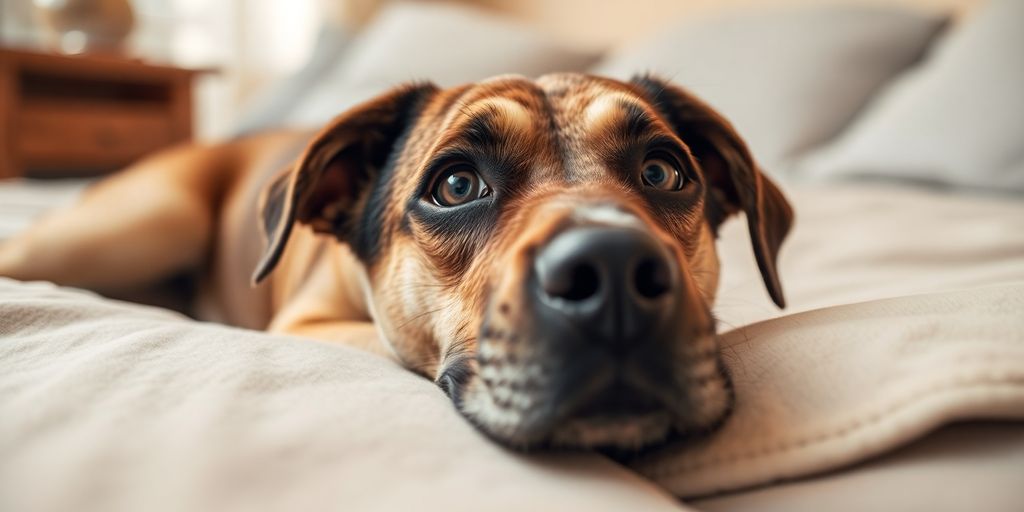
pixel 662 174
pixel 458 185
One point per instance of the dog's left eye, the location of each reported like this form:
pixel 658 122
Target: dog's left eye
pixel 661 174
pixel 458 185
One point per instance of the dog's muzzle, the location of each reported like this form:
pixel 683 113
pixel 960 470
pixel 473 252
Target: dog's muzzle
pixel 598 340
pixel 603 297
pixel 606 302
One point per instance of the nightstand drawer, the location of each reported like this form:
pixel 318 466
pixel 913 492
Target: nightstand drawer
pixel 88 136
pixel 79 115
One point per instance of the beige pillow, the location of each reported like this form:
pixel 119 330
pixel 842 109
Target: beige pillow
pixel 789 79
pixel 956 120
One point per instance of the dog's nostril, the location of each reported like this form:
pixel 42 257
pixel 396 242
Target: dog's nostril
pixel 580 282
pixel 652 279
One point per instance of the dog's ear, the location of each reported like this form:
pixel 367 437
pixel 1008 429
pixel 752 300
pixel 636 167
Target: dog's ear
pixel 734 180
pixel 325 185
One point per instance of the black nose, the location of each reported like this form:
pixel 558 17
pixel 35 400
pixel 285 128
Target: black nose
pixel 612 282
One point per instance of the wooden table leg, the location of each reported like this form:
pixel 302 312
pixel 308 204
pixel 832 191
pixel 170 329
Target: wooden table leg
pixel 181 108
pixel 8 169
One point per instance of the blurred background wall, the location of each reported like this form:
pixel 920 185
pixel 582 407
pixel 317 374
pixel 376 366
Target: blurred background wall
pixel 253 42
pixel 616 22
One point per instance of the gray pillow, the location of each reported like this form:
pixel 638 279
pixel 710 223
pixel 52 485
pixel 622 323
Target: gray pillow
pixel 441 42
pixel 957 120
pixel 789 79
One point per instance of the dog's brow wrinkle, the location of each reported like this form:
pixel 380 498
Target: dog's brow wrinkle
pixel 510 114
pixel 479 130
pixel 490 120
pixel 562 154
pixel 608 108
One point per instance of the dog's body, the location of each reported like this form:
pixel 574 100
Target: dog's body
pixel 544 250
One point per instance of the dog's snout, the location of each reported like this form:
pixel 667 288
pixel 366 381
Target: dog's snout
pixel 612 280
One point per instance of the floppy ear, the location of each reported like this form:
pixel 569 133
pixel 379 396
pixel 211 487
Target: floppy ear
pixel 734 180
pixel 327 182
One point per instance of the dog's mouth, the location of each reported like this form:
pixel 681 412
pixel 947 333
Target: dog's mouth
pixel 617 400
pixel 619 416
pixel 605 411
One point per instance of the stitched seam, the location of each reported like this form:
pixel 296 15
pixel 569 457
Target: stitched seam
pixel 851 426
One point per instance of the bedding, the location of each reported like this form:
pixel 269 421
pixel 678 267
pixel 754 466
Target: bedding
pixel 905 317
pixel 963 466
pixel 868 241
pixel 107 406
pixel 821 389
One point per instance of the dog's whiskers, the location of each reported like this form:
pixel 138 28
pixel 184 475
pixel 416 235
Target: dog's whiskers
pixel 419 316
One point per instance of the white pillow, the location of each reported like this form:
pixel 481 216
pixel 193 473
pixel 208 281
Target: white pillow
pixel 441 42
pixel 789 79
pixel 957 120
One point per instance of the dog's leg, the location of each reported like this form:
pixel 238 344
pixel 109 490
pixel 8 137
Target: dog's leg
pixel 325 307
pixel 140 225
pixel 359 335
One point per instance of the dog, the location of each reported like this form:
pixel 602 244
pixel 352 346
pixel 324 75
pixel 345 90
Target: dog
pixel 543 250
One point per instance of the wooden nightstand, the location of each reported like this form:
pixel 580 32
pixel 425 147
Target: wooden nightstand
pixel 85 115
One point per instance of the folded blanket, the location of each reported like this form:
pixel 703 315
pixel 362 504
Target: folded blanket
pixel 820 390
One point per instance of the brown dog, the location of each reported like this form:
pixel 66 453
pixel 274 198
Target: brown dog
pixel 543 250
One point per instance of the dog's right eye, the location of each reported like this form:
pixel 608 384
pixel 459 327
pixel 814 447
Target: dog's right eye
pixel 458 185
pixel 661 174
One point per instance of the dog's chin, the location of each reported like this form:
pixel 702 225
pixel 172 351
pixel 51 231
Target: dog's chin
pixel 619 433
pixel 615 432
pixel 609 415
pixel 622 436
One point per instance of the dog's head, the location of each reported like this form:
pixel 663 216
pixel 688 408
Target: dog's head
pixel 544 250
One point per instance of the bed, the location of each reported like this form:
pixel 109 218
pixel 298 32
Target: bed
pixel 894 380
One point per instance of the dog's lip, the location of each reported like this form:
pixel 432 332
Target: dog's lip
pixel 629 433
pixel 594 389
pixel 619 399
pixel 607 401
